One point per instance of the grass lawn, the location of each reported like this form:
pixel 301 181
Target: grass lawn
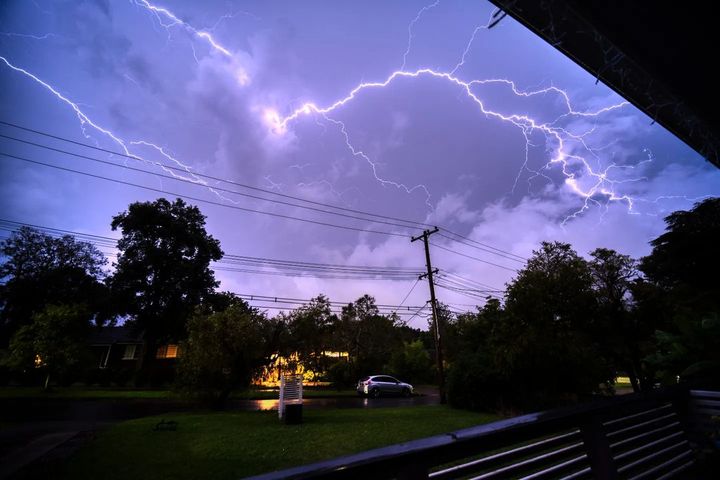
pixel 235 445
pixel 81 392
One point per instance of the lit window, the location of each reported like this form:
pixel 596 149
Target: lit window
pixel 38 361
pixel 129 352
pixel 167 351
pixel 172 351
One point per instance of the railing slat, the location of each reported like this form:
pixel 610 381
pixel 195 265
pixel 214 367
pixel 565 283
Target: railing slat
pixel 525 463
pixel 645 434
pixel 662 466
pixel 578 474
pixel 555 468
pixel 635 415
pixel 642 424
pixel 657 454
pixel 632 452
pixel 704 393
pixel 490 460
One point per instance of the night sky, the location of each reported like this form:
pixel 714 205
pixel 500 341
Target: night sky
pixel 410 110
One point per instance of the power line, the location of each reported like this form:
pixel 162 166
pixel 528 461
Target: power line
pixel 306 275
pixel 471 281
pixel 211 188
pixel 468 288
pixel 503 255
pixel 210 177
pixel 211 202
pixel 271 298
pixel 473 258
pixel 488 248
pixel 482 244
pixel 408 294
pixel 392 273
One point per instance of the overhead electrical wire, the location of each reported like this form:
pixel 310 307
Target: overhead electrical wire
pixel 210 177
pixel 197 184
pixel 405 223
pixel 202 200
pixel 472 258
pixel 358 272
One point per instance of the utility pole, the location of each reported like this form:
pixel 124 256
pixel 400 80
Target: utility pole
pixel 433 303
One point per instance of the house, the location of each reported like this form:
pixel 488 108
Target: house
pixel 120 348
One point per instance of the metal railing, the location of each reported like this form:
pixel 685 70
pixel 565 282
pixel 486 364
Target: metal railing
pixel 650 435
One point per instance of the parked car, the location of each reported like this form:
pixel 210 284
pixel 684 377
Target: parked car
pixel 377 385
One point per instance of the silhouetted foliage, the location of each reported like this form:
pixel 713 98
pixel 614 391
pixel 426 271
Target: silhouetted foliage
pixel 162 272
pixel 684 268
pixel 309 328
pixel 619 334
pixel 225 350
pixel 369 337
pixel 40 270
pixel 54 343
pixel 412 363
pixel 538 351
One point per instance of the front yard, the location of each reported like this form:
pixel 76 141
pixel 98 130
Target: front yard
pixel 235 445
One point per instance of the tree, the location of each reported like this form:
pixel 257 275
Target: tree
pixel 685 260
pixel 369 338
pixel 162 272
pixel 619 333
pixel 53 343
pixel 225 350
pixel 683 269
pixel 412 363
pixel 477 378
pixel 549 349
pixel 309 328
pixel 40 270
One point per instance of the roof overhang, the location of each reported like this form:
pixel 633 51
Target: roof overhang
pixel 657 55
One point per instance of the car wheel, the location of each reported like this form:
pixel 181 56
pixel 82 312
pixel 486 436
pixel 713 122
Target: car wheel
pixel 406 392
pixel 375 393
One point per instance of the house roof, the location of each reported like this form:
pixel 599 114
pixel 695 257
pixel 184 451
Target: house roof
pixel 658 55
pixel 111 335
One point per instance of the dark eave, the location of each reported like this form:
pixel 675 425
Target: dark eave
pixel 657 55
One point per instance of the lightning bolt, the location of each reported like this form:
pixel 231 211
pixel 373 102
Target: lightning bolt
pixel 410 32
pixel 28 35
pixel 167 19
pixel 86 123
pixel 556 138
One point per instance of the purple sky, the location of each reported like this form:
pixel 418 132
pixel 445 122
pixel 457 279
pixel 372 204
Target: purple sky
pixel 278 95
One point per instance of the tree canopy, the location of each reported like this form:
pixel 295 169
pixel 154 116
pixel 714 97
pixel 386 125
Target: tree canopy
pixel 225 350
pixel 163 269
pixel 41 270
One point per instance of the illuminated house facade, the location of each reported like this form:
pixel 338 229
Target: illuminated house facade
pixel 291 364
pixel 119 348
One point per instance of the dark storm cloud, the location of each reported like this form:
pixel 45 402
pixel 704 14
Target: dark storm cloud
pixel 172 88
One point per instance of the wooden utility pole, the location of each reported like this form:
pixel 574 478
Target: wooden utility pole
pixel 433 303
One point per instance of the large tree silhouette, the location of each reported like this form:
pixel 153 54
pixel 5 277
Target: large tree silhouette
pixel 162 272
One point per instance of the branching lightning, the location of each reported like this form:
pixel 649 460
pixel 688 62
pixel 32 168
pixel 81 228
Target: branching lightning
pixel 556 137
pixel 410 30
pixel 167 19
pixel 569 152
pixel 87 123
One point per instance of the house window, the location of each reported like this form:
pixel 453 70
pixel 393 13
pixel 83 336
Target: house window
pixel 129 353
pixel 167 351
